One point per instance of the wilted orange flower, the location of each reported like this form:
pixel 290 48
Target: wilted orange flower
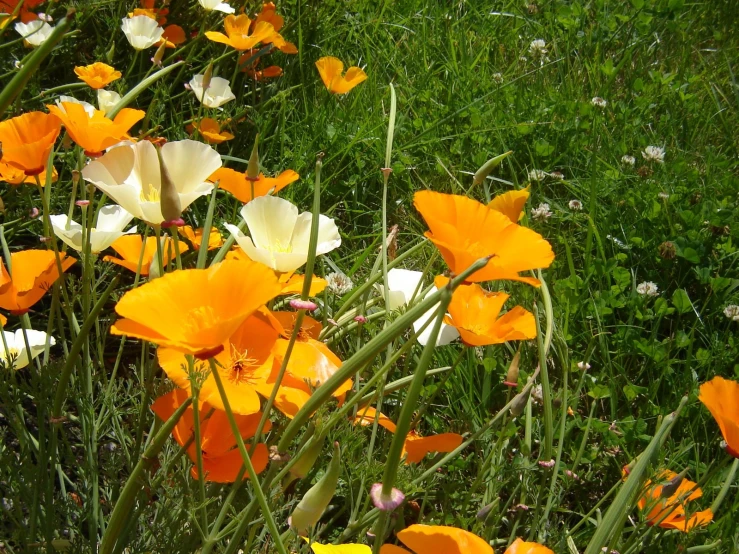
pixel 721 397
pixel 128 248
pixel 438 539
pixel 293 284
pixel 32 274
pixel 331 70
pixel 521 547
pixel 415 446
pixel 511 203
pixel 221 458
pixel 14 176
pixel 269 15
pixel 270 72
pixel 464 231
pixel 97 75
pixel 237 184
pixel 215 240
pixel 474 312
pixel 95 134
pixel 238 34
pixel 27 140
pixel 196 310
pixel 669 513
pixel 210 130
pixel 173 35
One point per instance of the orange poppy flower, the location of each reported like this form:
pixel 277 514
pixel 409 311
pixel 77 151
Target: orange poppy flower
pixel 238 33
pixel 174 35
pixel 464 231
pixel 721 397
pixel 221 458
pixel 196 310
pixel 269 15
pixel 210 130
pixel 27 140
pixel 331 70
pixel 215 240
pixel 474 312
pixel 293 284
pixel 671 511
pixel 128 248
pixel 511 203
pixel 14 176
pixel 97 75
pixel 270 72
pixel 95 134
pixel 32 274
pixel 521 547
pixel 8 7
pixel 148 9
pixel 433 539
pixel 237 184
pixel 311 362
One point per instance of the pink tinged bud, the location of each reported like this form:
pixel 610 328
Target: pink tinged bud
pixel 303 305
pixel 571 475
pixel 521 508
pixel 82 203
pixel 386 503
pixel 179 222
pixel 386 171
pixel 187 86
pixel 33 214
pixel 360 319
pixel 548 464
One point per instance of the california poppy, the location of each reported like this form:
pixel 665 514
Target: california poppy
pixel 464 231
pixel 196 310
pixel 222 460
pixel 141 30
pixel 521 547
pixel 27 140
pixel 237 184
pixel 269 14
pixel 340 548
pixel 511 203
pixel 128 247
pixel 670 513
pixel 721 397
pixel 270 72
pixel 331 70
pixel 474 312
pixel 293 284
pixel 174 35
pixel 160 14
pixel 32 274
pixel 98 75
pixel 94 133
pixel 433 539
pixel 17 355
pixel 239 34
pixel 210 130
pixel 8 7
pixel 14 176
pixel 215 240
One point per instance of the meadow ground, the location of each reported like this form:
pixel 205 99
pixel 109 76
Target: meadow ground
pixel 621 118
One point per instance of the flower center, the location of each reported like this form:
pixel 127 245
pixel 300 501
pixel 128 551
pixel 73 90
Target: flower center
pixel 241 368
pixel 10 355
pixel 200 319
pixel 277 246
pixel 149 194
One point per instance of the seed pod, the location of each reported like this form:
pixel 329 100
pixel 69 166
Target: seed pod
pixel 482 173
pixel 511 378
pixel 169 197
pixel 305 462
pixel 519 402
pixel 311 507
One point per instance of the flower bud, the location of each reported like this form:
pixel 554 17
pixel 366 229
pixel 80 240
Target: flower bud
pixel 303 305
pixel 482 173
pixel 311 507
pixel 305 462
pixel 519 402
pixel 511 378
pixel 252 170
pixel 673 484
pixel 169 197
pixel 207 77
pixel 159 55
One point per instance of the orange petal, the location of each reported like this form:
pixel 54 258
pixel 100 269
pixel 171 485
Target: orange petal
pixel 511 203
pixel 437 538
pixel 366 416
pixel 225 469
pixel 417 448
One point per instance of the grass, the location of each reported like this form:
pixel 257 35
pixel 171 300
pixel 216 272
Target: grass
pixel 468 89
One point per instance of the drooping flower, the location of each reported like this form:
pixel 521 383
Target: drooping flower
pixel 511 203
pixel 34 32
pixel 670 513
pixel 16 355
pixel 97 75
pixel 279 236
pixel 222 460
pixel 647 288
pixel 141 31
pixel 237 184
pixel 217 5
pixel 721 397
pixel 107 100
pixel 27 141
pixel 195 311
pixel 195 236
pixel 32 274
pixel 465 230
pixel 217 94
pixel 542 212
pixel 131 175
pixel 211 131
pixel 654 154
pixel 110 223
pixel 94 133
pixel 435 539
pixel 128 247
pixel 519 546
pixel 475 312
pixel 331 70
pixel 239 34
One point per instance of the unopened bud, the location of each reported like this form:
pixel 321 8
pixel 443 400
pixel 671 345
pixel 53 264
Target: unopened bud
pixel 547 464
pixel 484 512
pixel 82 203
pixel 159 55
pixel 305 462
pixel 673 484
pixel 110 53
pixel 207 77
pixel 360 319
pixel 386 503
pixel 303 305
pixel 511 378
pixel 519 402
pixel 252 170
pixel 169 199
pixel 311 507
pixel 76 176
pixel 482 173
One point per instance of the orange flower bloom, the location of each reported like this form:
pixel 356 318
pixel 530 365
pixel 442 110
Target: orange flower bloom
pixel 433 539
pixel 196 310
pixel 32 274
pixel 210 130
pixel 293 284
pixel 237 184
pixel 95 134
pixel 670 512
pixel 511 203
pixel 415 446
pixel 27 140
pixel 270 72
pixel 521 547
pixel 221 458
pixel 215 240
pixel 238 35
pixel 14 176
pixel 128 248
pixel 148 9
pixel 331 70
pixel 269 15
pixel 97 75
pixel 474 312
pixel 464 231
pixel 8 7
pixel 174 35
pixel 721 397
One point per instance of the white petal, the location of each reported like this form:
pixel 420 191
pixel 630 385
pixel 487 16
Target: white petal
pixel 328 234
pixel 225 8
pixel 70 232
pixel 35 32
pixel 271 221
pixel 190 163
pixel 107 99
pixel 113 218
pixel 141 31
pixel 447 333
pixel 89 108
pixel 403 284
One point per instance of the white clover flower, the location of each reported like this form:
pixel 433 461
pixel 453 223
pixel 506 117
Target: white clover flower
pixel 34 32
pixel 599 102
pixel 663 195
pixel 542 212
pixel 537 175
pixel 107 99
pixel 654 154
pixel 647 288
pixel 141 31
pixel 216 5
pixel 583 366
pixel 575 205
pixel 732 312
pixel 498 77
pixel 17 354
pixel 628 160
pixel 339 283
pixel 217 94
pixel 538 48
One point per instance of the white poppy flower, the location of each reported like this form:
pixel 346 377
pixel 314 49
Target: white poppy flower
pixel 17 354
pixel 216 5
pixel 107 99
pixel 89 108
pixel 131 176
pixel 109 228
pixel 218 93
pixel 35 32
pixel 141 31
pixel 279 236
